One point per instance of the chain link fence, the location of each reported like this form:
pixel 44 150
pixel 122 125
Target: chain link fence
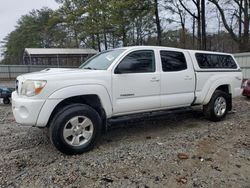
pixel 10 72
pixel 243 60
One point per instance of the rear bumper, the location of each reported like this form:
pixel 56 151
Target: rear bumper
pixel 246 91
pixel 237 92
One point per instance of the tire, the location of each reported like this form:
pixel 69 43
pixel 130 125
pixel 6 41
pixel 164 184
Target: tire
pixel 75 129
pixel 6 100
pixel 218 106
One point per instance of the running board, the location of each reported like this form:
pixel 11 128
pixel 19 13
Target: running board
pixel 146 115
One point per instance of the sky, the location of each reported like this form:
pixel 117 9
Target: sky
pixel 12 10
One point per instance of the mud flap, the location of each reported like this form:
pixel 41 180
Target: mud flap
pixel 229 99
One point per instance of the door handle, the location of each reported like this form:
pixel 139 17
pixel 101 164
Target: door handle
pixel 155 80
pixel 188 78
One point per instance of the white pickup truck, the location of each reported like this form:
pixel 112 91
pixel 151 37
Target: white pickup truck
pixel 76 104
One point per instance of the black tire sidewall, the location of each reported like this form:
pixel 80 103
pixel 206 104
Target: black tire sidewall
pixel 59 121
pixel 6 100
pixel 215 96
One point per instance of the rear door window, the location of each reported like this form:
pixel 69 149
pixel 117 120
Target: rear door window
pixel 173 61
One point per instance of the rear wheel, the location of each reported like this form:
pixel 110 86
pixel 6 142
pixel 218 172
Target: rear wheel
pixel 75 129
pixel 6 100
pixel 217 107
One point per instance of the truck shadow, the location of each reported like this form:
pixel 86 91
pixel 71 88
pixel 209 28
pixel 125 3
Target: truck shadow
pixel 117 133
pixel 154 127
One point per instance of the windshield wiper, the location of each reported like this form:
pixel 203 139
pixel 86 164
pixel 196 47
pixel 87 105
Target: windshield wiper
pixel 90 68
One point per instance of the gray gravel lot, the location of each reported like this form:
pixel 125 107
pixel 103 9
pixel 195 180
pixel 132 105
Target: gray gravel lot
pixel 177 150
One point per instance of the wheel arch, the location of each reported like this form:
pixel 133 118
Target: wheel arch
pixel 91 100
pixel 96 96
pixel 225 87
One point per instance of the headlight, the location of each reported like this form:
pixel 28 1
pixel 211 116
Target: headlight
pixel 32 87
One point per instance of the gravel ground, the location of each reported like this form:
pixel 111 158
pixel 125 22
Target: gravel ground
pixel 181 150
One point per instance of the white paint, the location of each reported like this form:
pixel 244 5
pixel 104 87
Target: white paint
pixel 122 94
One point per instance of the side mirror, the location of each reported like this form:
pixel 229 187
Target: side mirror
pixel 124 67
pixel 117 71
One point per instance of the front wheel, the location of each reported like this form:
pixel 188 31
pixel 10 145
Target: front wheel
pixel 75 129
pixel 217 107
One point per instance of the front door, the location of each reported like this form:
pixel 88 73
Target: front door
pixel 136 83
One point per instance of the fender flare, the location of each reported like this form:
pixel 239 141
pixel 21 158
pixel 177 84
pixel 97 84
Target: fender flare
pixel 217 83
pixel 79 90
pixel 71 91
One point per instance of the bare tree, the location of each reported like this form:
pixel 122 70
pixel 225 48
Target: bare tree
pixel 203 26
pixel 158 23
pixel 243 17
pixel 199 16
pixel 176 9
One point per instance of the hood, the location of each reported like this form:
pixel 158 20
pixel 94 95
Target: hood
pixel 55 73
pixel 61 78
pixel 49 70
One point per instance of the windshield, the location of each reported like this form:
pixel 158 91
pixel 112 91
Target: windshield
pixel 102 61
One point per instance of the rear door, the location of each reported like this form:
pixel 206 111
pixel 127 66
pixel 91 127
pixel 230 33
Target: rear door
pixel 177 79
pixel 136 83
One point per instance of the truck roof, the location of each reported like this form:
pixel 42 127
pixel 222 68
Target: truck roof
pixel 172 48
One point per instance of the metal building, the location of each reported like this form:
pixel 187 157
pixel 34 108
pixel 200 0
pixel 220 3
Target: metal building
pixel 56 56
pixel 243 60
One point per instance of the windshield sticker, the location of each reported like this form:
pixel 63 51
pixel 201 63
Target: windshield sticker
pixel 110 57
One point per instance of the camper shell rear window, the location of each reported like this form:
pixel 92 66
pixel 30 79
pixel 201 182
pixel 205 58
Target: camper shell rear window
pixel 215 61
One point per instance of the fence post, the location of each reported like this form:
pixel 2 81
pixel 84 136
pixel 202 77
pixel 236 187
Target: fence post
pixel 9 72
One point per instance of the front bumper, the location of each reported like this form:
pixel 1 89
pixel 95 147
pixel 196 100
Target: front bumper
pixel 26 110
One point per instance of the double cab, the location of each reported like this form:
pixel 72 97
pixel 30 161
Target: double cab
pixel 76 104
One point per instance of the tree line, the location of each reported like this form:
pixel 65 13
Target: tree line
pixel 105 24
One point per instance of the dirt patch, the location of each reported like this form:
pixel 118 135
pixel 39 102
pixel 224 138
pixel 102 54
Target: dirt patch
pixel 139 154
